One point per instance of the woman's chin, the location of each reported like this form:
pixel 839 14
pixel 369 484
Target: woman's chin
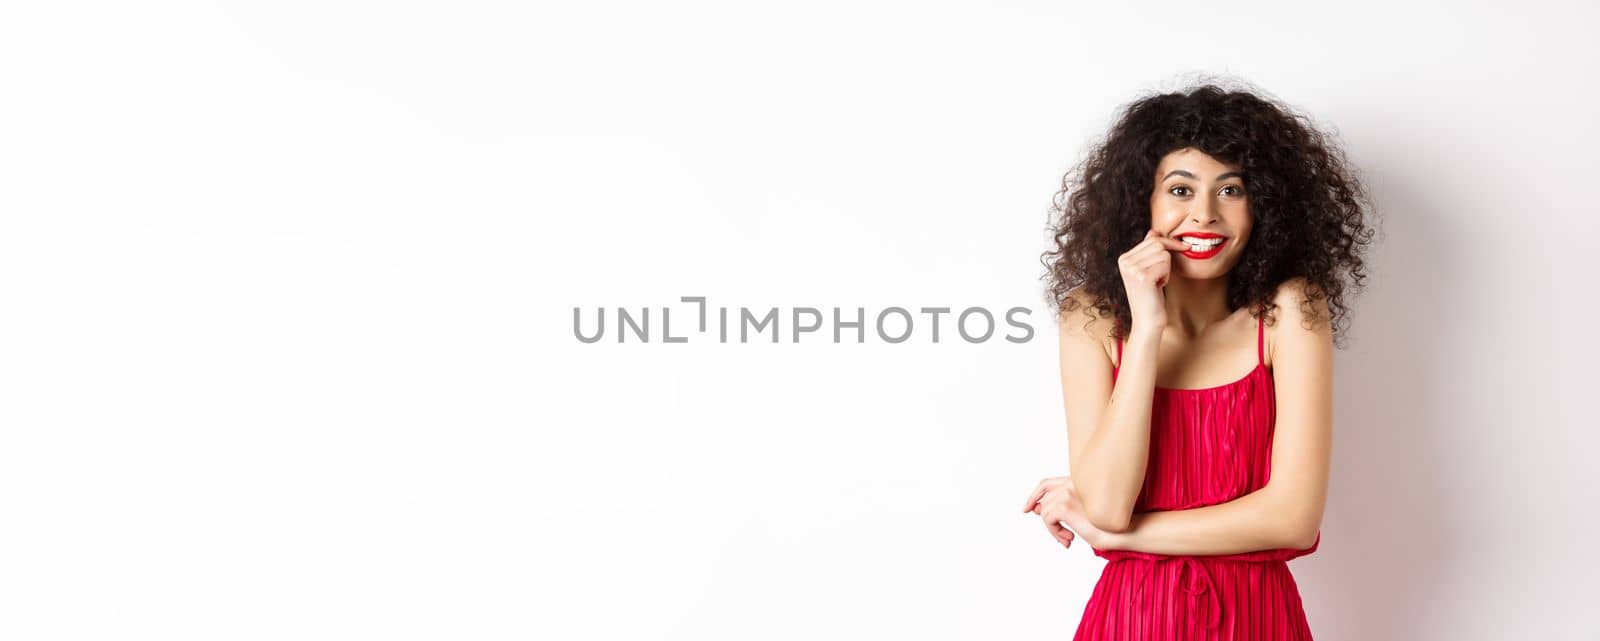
pixel 1200 274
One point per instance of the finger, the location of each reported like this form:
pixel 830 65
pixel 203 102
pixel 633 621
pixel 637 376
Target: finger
pixel 1154 260
pixel 1157 274
pixel 1159 250
pixel 1172 243
pixel 1156 268
pixel 1155 248
pixel 1151 245
pixel 1144 244
pixel 1061 534
pixel 1161 238
pixel 1033 497
pixel 1048 484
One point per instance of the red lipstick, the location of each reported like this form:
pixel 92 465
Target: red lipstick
pixel 1202 235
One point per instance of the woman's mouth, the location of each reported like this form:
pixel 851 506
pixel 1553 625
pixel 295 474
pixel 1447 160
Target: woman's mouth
pixel 1203 248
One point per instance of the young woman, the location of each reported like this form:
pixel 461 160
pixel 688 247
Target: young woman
pixel 1209 241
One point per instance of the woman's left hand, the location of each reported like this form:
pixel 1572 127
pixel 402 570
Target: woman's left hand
pixel 1056 501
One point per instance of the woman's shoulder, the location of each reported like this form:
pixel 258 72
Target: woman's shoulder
pixel 1083 321
pixel 1298 307
pixel 1297 300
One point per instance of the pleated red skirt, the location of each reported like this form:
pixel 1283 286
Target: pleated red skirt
pixel 1207 446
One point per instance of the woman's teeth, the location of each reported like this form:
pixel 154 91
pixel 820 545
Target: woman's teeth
pixel 1202 245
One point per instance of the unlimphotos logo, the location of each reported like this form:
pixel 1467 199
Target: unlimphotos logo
pixel 889 325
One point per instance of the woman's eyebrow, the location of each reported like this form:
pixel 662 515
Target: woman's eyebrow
pixel 1180 172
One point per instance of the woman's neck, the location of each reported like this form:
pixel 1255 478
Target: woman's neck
pixel 1192 305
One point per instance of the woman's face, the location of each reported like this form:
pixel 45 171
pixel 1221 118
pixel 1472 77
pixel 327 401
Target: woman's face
pixel 1201 201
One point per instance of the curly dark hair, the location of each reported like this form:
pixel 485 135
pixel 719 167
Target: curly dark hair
pixel 1308 204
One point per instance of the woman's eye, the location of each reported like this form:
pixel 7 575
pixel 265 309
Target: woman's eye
pixel 1181 190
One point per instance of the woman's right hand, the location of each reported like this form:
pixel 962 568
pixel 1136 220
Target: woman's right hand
pixel 1145 271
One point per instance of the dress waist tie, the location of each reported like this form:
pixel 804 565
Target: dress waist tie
pixel 1199 583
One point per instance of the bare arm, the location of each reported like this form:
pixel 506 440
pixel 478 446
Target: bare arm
pixel 1287 512
pixel 1108 430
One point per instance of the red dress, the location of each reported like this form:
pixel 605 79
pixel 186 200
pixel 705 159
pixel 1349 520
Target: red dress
pixel 1207 446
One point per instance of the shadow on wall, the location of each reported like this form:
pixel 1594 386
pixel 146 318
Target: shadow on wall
pixel 1398 530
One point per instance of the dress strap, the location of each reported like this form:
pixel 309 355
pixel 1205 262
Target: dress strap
pixel 1261 349
pixel 1118 364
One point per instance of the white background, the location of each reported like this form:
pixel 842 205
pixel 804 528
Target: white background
pixel 287 298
